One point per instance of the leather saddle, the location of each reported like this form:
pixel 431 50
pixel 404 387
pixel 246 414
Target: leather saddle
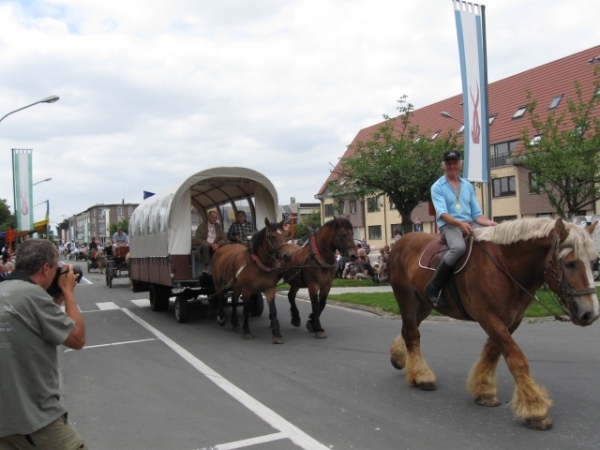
pixel 434 252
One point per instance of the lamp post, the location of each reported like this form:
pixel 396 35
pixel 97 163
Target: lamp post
pixel 47 179
pixel 447 115
pixel 51 99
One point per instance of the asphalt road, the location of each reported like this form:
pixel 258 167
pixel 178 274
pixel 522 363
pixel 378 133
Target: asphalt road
pixel 144 381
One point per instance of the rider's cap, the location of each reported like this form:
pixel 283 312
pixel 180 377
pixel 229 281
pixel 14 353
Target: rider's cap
pixel 452 154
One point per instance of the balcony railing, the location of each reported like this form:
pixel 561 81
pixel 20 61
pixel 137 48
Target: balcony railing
pixel 499 161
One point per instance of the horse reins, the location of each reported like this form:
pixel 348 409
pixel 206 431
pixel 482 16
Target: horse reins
pixel 566 292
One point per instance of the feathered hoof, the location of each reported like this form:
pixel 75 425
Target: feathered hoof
pixel 427 386
pixel 544 424
pixel 321 335
pixel 396 364
pixel 236 329
pixel 309 326
pixel 221 321
pixel 248 336
pixel 296 322
pixel 487 401
pixel 278 340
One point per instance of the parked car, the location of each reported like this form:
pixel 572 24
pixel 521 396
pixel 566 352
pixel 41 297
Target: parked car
pixel 364 245
pixel 299 242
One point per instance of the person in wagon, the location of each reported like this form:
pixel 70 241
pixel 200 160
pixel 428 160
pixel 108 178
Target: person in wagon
pixel 241 229
pixel 209 237
pixel 457 213
pixel 120 238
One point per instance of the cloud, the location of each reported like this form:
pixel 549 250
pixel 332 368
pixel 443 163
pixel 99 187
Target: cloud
pixel 153 92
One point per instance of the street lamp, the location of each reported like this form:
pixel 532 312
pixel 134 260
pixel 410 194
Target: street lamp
pixel 47 179
pixel 447 115
pixel 51 99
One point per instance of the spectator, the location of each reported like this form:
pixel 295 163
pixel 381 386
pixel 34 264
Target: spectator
pixel 365 269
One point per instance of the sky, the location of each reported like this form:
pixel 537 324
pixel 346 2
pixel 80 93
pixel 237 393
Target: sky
pixel 153 92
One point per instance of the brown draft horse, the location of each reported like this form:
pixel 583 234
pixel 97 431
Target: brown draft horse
pixel 314 266
pixel 508 264
pixel 248 271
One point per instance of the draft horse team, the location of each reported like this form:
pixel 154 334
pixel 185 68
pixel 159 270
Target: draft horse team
pixel 493 286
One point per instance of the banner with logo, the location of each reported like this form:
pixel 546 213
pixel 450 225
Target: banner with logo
pixel 23 188
pixel 470 23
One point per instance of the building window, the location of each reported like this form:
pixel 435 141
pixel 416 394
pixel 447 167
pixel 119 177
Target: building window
pixel 520 112
pixel 392 205
pixel 130 210
pixel 461 129
pixel 119 210
pixel 532 183
pixel 492 118
pixel 353 207
pixel 435 135
pixel 373 204
pixel 504 187
pixel 375 232
pixel 329 210
pixel 555 101
pixel 341 208
pixel 536 139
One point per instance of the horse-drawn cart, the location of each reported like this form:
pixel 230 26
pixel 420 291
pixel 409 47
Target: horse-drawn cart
pixel 116 263
pixel 161 230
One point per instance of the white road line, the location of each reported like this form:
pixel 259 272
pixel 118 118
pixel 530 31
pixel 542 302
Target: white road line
pixel 271 417
pixel 143 303
pixel 113 343
pixel 252 441
pixel 105 306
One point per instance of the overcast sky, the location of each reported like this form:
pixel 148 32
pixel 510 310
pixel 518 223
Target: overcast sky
pixel 152 92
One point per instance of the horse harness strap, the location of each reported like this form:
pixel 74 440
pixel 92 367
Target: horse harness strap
pixel 260 264
pixel 317 255
pixel 456 296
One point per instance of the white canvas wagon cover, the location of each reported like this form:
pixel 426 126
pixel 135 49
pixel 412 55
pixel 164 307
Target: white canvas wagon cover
pixel 161 225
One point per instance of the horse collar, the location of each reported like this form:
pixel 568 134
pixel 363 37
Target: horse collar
pixel 315 251
pixel 260 264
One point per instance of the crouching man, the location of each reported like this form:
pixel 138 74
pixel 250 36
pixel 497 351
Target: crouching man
pixel 32 326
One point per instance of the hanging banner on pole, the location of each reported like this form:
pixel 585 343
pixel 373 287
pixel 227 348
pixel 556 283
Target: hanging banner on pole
pixel 23 188
pixel 470 27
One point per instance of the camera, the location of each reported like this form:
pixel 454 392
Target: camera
pixel 54 289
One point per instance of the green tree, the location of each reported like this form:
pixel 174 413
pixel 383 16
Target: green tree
pixel 399 161
pixel 563 152
pixel 301 229
pixel 7 219
pixel 123 224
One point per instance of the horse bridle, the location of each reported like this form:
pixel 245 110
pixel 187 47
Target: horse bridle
pixel 314 242
pixel 566 293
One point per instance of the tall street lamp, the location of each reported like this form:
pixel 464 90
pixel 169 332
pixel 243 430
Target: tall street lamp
pixel 47 179
pixel 447 115
pixel 51 99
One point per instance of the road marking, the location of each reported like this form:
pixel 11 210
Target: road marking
pixel 251 441
pixel 289 430
pixel 113 343
pixel 143 303
pixel 105 306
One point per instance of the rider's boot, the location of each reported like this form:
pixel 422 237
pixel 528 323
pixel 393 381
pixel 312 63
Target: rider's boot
pixel 437 282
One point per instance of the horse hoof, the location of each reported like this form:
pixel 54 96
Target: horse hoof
pixel 309 327
pixel 396 365
pixel 221 321
pixel 237 329
pixel 427 386
pixel 487 401
pixel 278 340
pixel 544 424
pixel 248 336
pixel 296 322
pixel 321 335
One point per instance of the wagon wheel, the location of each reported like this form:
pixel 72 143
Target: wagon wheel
pixel 182 309
pixel 257 306
pixel 159 297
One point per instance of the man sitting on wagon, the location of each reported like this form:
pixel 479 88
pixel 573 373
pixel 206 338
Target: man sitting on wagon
pixel 120 238
pixel 209 236
pixel 240 230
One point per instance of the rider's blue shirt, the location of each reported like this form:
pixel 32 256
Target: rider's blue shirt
pixel 445 200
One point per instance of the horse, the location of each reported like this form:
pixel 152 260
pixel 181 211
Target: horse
pixel 314 266
pixel 507 265
pixel 250 270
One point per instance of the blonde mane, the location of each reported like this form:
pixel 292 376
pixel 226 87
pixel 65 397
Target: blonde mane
pixel 519 230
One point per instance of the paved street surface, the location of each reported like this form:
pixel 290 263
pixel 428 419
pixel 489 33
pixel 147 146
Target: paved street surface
pixel 143 381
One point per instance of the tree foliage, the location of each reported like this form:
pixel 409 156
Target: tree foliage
pixel 563 152
pixel 114 226
pixel 399 161
pixel 301 229
pixel 7 219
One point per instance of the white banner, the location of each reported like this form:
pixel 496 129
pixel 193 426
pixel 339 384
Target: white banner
pixel 23 189
pixel 471 47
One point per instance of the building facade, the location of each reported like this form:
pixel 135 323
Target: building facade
pixel 552 85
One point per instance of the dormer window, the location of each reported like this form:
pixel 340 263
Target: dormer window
pixel 435 135
pixel 492 118
pixel 520 112
pixel 555 101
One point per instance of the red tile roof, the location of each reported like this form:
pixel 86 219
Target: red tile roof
pixel 505 97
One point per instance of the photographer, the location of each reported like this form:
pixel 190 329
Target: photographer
pixel 32 326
